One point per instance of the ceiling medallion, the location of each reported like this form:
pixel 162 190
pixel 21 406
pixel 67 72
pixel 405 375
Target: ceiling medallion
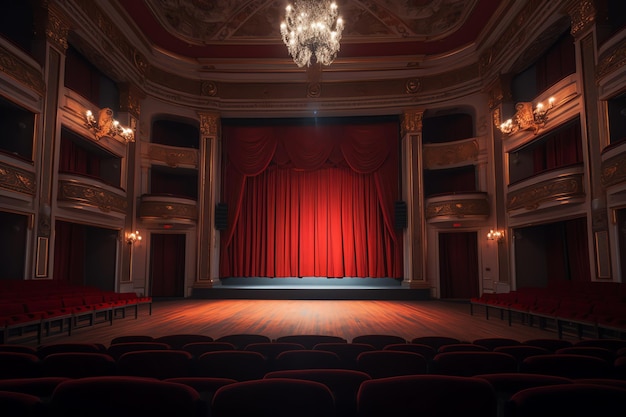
pixel 312 29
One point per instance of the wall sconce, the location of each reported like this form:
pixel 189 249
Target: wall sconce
pixel 526 117
pixel 496 235
pixel 106 125
pixel 133 237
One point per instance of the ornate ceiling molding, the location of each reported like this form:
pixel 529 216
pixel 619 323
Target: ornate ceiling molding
pixel 205 21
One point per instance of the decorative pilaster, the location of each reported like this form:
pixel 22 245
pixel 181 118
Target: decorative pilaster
pixel 414 247
pixel 587 15
pixel 51 29
pixel 499 97
pixel 208 176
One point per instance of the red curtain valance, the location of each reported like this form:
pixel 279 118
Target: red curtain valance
pixel 364 148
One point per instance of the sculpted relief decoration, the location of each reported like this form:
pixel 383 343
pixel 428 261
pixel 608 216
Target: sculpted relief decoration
pixel 206 21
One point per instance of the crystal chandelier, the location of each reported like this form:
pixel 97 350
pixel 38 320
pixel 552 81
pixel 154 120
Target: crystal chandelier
pixel 312 28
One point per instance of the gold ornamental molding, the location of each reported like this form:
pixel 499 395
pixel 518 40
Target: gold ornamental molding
pixel 613 170
pixel 611 60
pixel 499 91
pixel 583 15
pixel 92 196
pixel 450 154
pixel 513 33
pixel 173 157
pixel 458 208
pixel 57 30
pixel 17 180
pixel 167 210
pixel 21 71
pixel 562 188
pixel 130 100
pixel 209 124
pixel 114 36
pixel 412 121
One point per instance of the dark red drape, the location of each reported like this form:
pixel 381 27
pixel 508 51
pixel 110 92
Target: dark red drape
pixel 69 253
pixel 567 250
pixel 168 265
pixel 458 265
pixel 562 148
pixel 576 233
pixel 76 160
pixel 311 201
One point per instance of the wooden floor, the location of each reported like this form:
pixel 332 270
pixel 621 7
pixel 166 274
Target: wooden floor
pixel 274 318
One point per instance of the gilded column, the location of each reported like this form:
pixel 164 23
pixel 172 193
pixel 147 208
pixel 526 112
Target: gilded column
pixel 51 29
pixel 129 112
pixel 585 15
pixel 208 175
pixel 499 95
pixel 412 193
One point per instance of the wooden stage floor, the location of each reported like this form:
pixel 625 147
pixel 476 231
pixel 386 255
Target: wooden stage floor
pixel 274 318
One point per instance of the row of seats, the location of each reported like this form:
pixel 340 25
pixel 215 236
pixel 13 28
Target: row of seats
pixel 241 374
pixel 593 307
pixel 316 393
pixel 605 358
pixel 36 309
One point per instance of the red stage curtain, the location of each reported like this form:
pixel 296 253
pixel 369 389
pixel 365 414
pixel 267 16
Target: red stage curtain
pixel 311 201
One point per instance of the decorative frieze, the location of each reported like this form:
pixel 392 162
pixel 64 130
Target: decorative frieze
pixel 167 210
pixel 17 180
pixel 583 15
pixel 613 170
pixel 456 207
pixel 57 30
pixel 21 71
pixel 173 157
pixel 561 189
pixel 91 195
pixel 438 156
pixel 611 60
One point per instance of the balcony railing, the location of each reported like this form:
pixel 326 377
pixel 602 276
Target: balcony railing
pixel 452 207
pixel 168 209
pixel 17 177
pixel 614 166
pixel 86 193
pixel 551 188
pixel 173 156
pixel 451 154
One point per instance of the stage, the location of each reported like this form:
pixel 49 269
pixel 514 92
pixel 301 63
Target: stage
pixel 311 289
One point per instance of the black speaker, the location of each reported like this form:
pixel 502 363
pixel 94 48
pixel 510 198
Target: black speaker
pixel 221 216
pixel 400 214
